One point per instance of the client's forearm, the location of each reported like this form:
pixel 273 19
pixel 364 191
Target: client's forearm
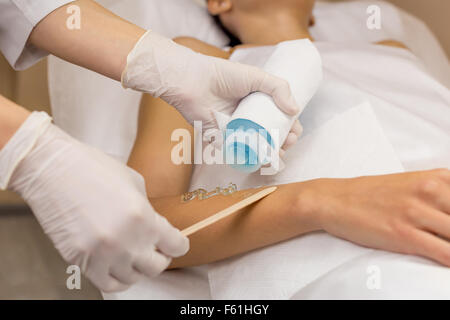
pixel 273 219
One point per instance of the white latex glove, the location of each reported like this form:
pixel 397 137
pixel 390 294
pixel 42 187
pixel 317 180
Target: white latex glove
pixel 198 85
pixel 94 209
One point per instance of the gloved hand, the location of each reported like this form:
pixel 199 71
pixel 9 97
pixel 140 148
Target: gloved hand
pixel 199 85
pixel 93 208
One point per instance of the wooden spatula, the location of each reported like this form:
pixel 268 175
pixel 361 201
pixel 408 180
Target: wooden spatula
pixel 228 211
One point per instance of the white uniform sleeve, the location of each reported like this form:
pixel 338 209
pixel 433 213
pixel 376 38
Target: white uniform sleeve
pixel 17 20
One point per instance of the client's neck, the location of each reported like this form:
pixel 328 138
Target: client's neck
pixel 269 31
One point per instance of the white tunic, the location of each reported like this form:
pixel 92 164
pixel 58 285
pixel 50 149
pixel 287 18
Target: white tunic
pixel 17 20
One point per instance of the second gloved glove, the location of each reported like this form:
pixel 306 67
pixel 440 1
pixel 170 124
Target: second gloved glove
pixel 93 208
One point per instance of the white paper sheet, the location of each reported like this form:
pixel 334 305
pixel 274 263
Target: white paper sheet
pixel 348 145
pixel 375 274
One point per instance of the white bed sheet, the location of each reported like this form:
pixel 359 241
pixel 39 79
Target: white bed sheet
pixel 345 22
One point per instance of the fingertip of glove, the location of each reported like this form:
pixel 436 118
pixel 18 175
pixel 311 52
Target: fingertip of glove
pixel 291 140
pixel 152 263
pixel 291 106
pixel 180 246
pixel 297 129
pixel 172 242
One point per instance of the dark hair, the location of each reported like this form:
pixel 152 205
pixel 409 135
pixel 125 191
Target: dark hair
pixel 234 41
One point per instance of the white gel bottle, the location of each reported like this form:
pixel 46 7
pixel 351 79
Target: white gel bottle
pixel 258 128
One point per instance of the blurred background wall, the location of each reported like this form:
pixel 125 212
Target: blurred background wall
pixel 435 13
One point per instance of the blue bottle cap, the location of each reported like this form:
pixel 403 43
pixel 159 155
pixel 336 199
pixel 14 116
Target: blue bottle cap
pixel 242 154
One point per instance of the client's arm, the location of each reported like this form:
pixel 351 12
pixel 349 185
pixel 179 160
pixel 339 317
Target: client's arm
pixel 271 220
pixel 405 213
pixel 151 154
